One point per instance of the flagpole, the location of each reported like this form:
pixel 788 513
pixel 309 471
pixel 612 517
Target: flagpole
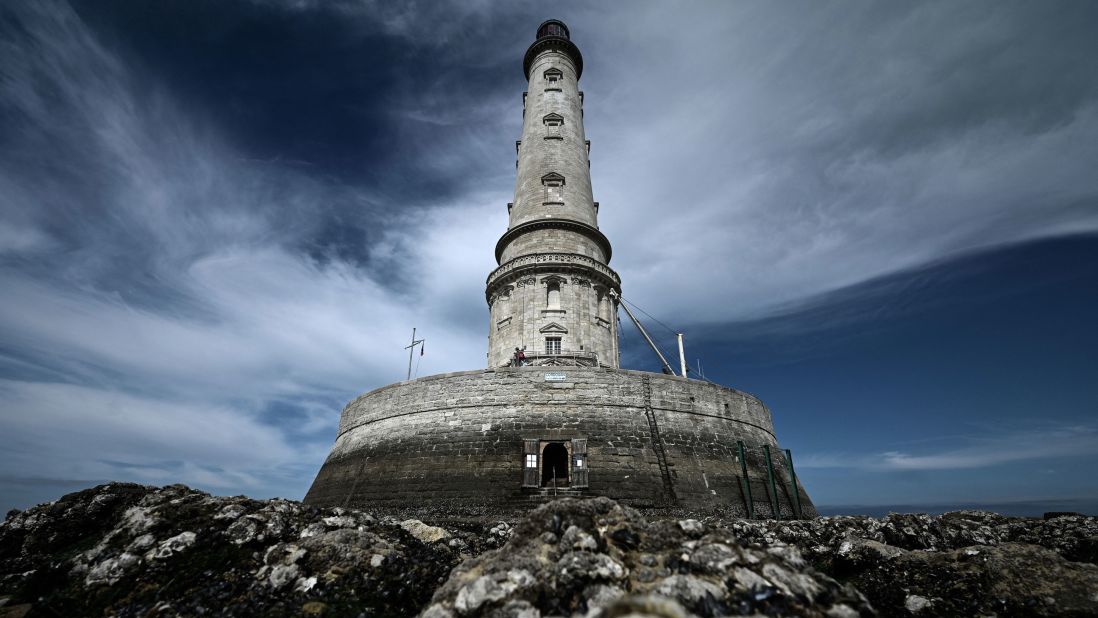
pixel 412 348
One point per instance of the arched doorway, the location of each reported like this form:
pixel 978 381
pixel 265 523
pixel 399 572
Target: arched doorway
pixel 555 464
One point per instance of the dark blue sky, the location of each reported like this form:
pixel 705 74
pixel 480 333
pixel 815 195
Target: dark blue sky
pixel 219 221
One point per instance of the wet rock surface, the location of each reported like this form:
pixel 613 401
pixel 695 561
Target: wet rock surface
pixel 131 550
pixel 598 558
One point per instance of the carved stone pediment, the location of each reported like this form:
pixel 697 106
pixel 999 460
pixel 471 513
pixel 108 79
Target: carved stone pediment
pixel 553 279
pixel 553 327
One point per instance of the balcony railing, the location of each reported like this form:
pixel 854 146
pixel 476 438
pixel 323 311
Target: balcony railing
pixel 565 358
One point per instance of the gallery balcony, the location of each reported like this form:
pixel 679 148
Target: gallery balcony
pixel 564 358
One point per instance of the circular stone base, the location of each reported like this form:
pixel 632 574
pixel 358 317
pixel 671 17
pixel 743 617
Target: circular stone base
pixel 517 435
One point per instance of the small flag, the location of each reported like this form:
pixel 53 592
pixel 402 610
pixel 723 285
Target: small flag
pixel 421 349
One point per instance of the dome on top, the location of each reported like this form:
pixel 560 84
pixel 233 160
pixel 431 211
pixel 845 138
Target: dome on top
pixel 552 27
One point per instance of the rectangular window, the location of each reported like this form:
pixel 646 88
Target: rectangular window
pixel 531 461
pixel 552 345
pixel 579 462
pixel 554 193
pixel 553 79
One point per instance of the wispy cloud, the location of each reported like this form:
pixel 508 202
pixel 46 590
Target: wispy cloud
pixel 988 449
pixel 176 306
pixel 787 164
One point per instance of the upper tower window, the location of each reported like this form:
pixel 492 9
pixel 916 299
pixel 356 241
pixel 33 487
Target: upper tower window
pixel 552 300
pixel 503 302
pixel 553 78
pixel 554 188
pixel 553 123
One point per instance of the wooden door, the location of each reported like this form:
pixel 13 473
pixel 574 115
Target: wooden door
pixel 579 462
pixel 530 463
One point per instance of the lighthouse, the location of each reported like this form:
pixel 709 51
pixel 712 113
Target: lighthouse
pixel 568 421
pixel 554 294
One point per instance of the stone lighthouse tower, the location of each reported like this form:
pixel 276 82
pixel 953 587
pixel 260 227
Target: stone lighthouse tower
pixel 551 295
pixel 570 421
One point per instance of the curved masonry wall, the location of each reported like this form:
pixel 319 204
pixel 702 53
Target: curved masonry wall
pixel 460 437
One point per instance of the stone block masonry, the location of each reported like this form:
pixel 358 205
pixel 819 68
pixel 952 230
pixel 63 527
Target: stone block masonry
pixel 462 436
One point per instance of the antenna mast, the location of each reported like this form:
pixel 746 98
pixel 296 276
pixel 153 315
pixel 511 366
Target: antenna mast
pixel 636 322
pixel 682 356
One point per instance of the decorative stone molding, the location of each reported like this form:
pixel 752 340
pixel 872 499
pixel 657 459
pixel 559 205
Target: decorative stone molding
pixel 553 279
pixel 503 292
pixel 557 43
pixel 563 260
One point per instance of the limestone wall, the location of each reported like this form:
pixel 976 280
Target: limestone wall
pixel 460 437
pixel 521 316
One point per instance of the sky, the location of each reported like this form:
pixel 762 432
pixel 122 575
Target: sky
pixel 220 221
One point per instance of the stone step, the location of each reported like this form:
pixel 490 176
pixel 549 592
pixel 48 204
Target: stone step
pixel 530 496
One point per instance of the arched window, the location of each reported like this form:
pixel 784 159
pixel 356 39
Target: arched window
pixel 604 306
pixel 552 296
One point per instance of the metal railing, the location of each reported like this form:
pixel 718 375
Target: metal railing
pixel 565 358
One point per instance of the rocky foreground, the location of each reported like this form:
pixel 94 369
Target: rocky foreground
pixel 130 550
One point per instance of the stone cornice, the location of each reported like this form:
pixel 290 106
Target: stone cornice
pixel 550 42
pixel 552 223
pixel 552 261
